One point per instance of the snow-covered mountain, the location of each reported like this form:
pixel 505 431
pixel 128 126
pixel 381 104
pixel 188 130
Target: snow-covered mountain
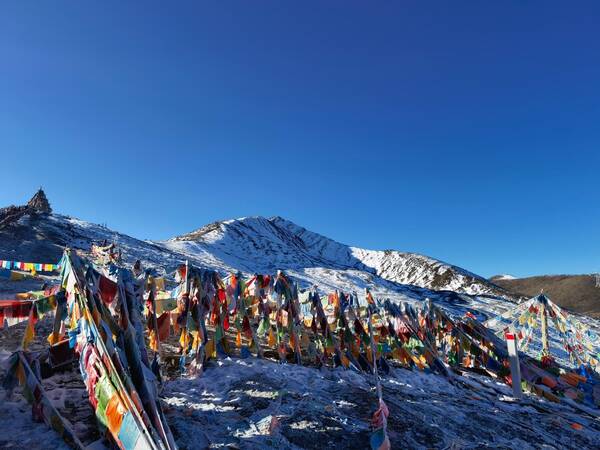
pixel 262 245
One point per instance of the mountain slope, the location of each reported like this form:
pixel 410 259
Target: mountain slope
pixel 43 237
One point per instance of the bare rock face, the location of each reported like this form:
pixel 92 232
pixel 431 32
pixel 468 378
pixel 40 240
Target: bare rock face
pixel 39 203
pixel 11 214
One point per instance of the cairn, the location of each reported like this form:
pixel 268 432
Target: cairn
pixel 38 204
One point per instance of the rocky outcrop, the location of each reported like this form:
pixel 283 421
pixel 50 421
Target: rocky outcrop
pixel 38 204
pixel 11 214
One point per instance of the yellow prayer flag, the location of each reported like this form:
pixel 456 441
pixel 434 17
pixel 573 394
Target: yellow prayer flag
pixel 184 340
pixel 28 335
pixel 153 343
pixel 21 373
pixel 53 339
pixel 210 349
pixel 196 338
pixel 160 283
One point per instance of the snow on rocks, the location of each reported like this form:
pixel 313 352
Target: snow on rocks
pixel 19 431
pixel 251 403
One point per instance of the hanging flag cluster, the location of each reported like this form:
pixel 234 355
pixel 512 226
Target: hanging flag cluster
pixel 107 332
pixel 103 313
pixel 540 316
pixel 14 311
pixel 268 312
pixel 100 319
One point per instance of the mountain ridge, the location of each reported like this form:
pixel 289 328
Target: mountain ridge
pixel 287 238
pixel 258 244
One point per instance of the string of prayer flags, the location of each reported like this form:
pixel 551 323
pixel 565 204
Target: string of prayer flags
pixel 29 266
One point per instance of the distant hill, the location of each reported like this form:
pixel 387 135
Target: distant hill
pixel 577 293
pixel 502 277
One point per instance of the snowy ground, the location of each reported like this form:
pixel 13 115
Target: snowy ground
pixel 235 402
pixel 65 389
pixel 19 431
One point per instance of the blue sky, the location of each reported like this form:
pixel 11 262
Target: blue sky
pixel 467 131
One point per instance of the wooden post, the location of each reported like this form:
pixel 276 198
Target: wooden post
pixel 515 368
pixel 152 295
pixel 187 276
pixel 376 374
pixel 277 315
pixel 46 415
pixel 373 350
pixel 185 296
pixel 240 300
pixel 197 367
pixel 544 319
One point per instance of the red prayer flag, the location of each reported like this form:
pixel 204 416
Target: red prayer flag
pixel 164 326
pixel 108 289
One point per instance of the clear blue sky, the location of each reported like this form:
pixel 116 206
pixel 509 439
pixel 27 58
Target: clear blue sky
pixel 468 131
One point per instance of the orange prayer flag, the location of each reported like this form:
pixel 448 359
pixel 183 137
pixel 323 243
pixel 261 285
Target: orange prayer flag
pixel 345 361
pixel 271 341
pixel 114 414
pixel 53 338
pixel 153 343
pixel 21 373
